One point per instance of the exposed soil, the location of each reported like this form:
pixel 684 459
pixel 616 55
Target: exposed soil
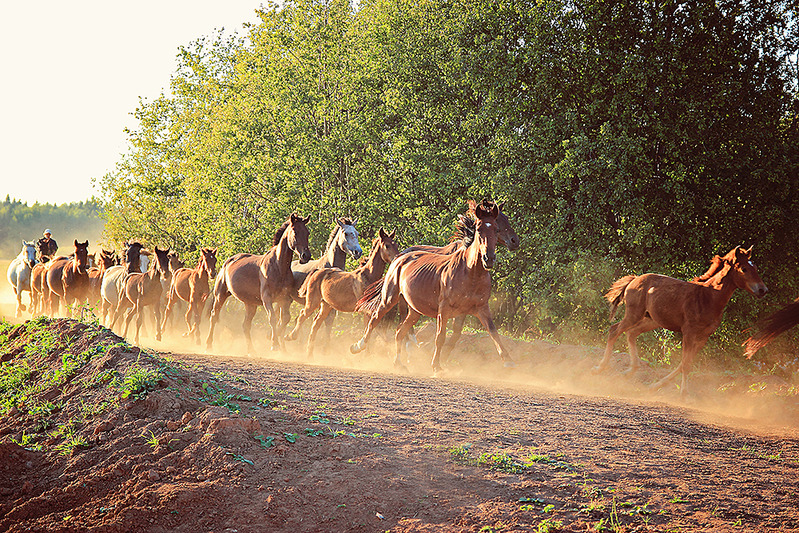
pixel 238 443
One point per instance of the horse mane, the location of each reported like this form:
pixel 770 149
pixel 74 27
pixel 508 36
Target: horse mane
pixel 464 230
pixel 279 233
pixel 336 229
pixel 717 264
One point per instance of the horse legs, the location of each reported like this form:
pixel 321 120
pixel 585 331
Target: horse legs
pixel 402 333
pixel 691 345
pixel 311 305
pixel 128 316
pixel 388 299
pixel 219 301
pixel 484 314
pixel 283 322
pixel 246 326
pixel 457 329
pixel 20 305
pixel 324 311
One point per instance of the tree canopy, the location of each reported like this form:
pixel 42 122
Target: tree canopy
pixel 625 136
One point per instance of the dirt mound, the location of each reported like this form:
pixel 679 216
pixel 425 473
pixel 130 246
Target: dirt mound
pixel 100 435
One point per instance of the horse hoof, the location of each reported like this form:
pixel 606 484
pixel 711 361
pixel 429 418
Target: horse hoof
pixel 355 348
pixel 509 364
pixel 597 369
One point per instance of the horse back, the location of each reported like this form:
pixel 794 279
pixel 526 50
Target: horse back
pixel 672 303
pixel 240 277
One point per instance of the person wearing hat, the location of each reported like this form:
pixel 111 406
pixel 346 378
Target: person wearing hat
pixel 46 246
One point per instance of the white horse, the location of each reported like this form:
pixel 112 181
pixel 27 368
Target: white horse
pixel 19 273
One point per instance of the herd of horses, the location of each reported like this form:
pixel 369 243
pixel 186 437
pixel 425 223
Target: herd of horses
pixel 449 282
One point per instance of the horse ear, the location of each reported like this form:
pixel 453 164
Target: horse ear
pixel 472 205
pixel 76 243
pixel 501 205
pixel 306 219
pixel 382 234
pixel 354 221
pixel 392 234
pixel 86 243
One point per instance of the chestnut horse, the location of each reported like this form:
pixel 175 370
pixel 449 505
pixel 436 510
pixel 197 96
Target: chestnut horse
pixel 40 293
pixel 191 285
pixel 440 286
pixel 19 274
pixel 332 288
pixel 772 326
pixel 68 278
pixel 142 290
pixel 693 308
pixel 263 280
pixel 112 286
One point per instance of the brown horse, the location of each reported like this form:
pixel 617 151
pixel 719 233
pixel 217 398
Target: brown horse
pixel 263 280
pixel 68 278
pixel 772 326
pixel 142 290
pixel 191 285
pixel 332 288
pixel 440 286
pixel 694 308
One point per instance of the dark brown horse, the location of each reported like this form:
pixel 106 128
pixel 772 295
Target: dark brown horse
pixel 772 326
pixel 693 308
pixel 440 286
pixel 191 285
pixel 265 280
pixel 68 278
pixel 332 288
pixel 144 290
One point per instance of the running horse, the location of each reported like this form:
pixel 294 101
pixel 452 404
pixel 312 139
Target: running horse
pixel 143 290
pixel 68 278
pixel 40 293
pixel 440 286
pixel 332 288
pixel 191 285
pixel 112 286
pixel 693 308
pixel 19 274
pixel 265 280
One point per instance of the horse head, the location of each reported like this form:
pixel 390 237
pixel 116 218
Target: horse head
pixel 297 235
pixel 486 232
pixel 175 262
pixel 745 272
pixel 132 256
pixel 28 253
pixel 386 245
pixel 506 235
pixel 347 237
pixel 161 263
pixel 208 258
pixel 81 259
pixel 108 259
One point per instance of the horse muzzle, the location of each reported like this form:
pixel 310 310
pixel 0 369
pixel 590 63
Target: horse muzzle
pixel 488 262
pixel 758 289
pixel 356 253
pixel 305 256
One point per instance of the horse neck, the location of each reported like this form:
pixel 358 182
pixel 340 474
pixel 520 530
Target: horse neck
pixel 201 272
pixel 335 254
pixel 283 253
pixel 471 255
pixel 722 285
pixel 374 266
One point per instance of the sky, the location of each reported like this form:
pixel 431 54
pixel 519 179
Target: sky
pixel 71 74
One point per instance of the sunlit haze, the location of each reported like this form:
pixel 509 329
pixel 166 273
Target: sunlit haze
pixel 72 75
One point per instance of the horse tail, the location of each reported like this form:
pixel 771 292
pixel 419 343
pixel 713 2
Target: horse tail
pixel 771 327
pixel 616 294
pixel 370 300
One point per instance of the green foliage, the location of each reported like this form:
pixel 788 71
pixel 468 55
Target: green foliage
pixel 627 137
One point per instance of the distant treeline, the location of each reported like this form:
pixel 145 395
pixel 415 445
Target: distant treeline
pixel 20 221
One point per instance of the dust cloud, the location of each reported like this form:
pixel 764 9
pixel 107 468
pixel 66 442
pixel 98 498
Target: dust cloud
pixel 756 402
